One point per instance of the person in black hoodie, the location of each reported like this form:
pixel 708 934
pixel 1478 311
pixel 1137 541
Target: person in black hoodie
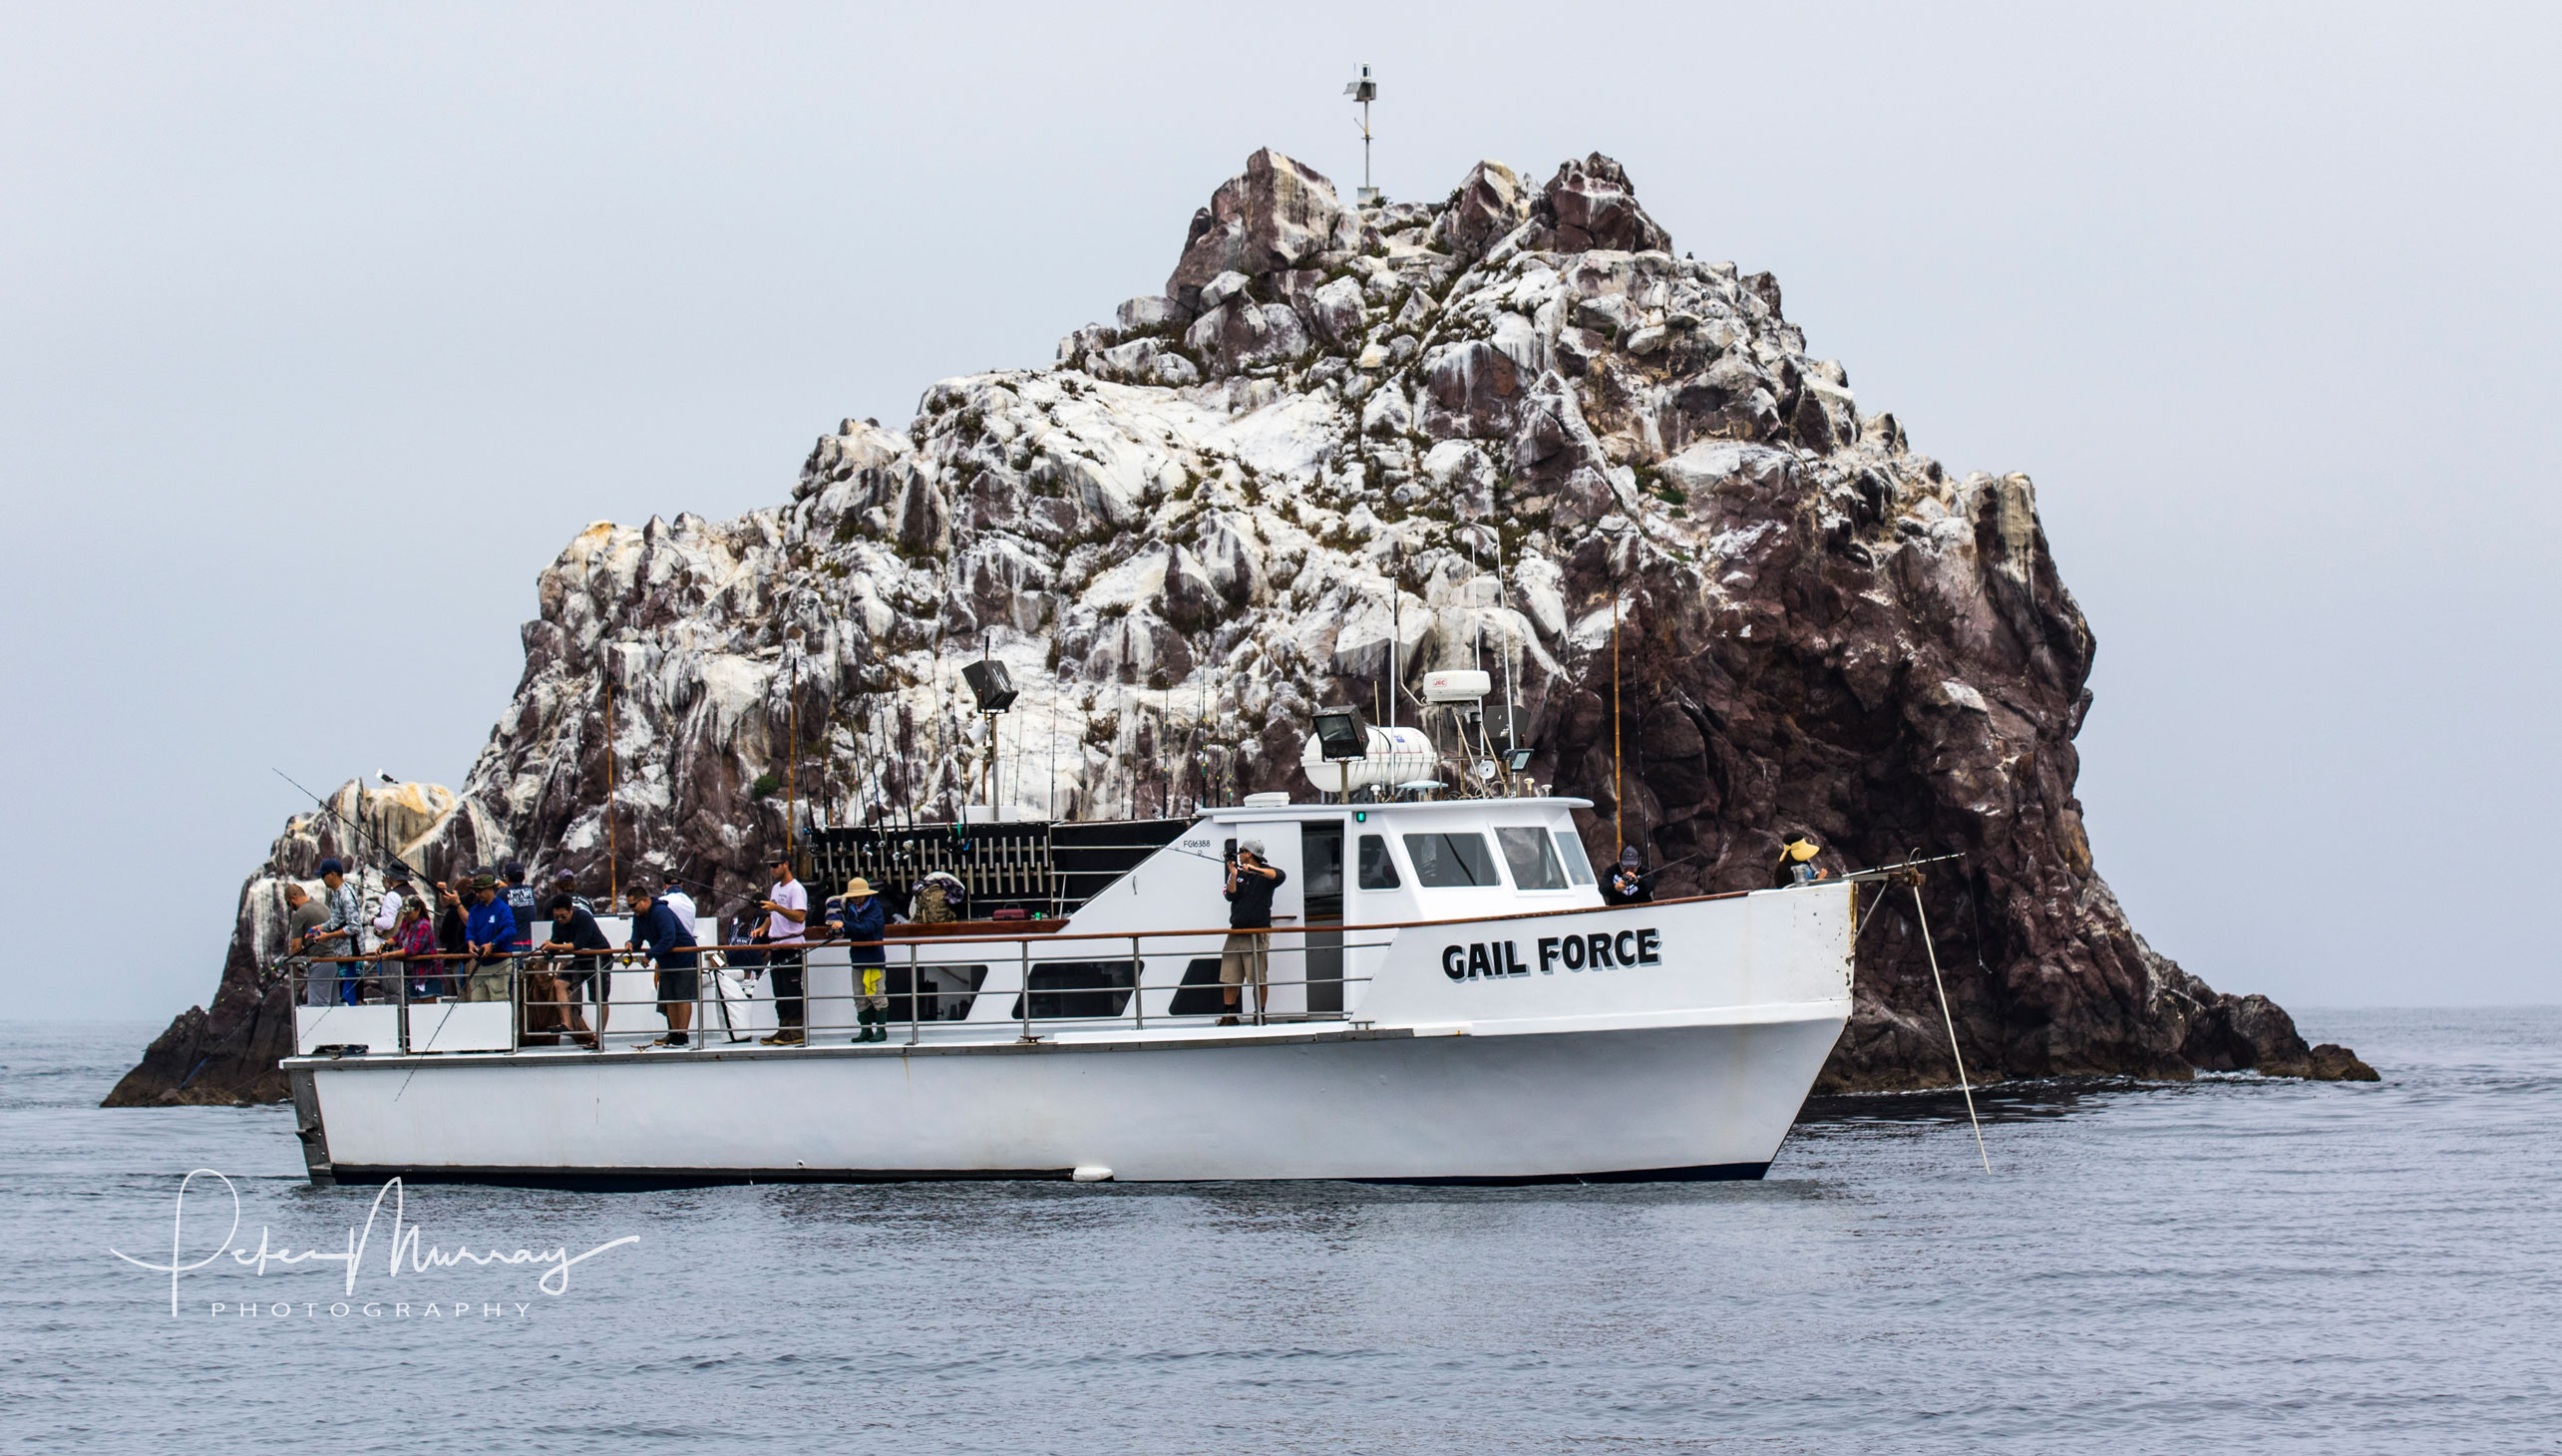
pixel 1245 957
pixel 1627 879
pixel 453 941
pixel 578 944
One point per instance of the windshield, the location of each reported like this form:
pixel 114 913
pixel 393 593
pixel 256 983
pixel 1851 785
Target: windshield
pixel 1571 849
pixel 1451 861
pixel 1532 858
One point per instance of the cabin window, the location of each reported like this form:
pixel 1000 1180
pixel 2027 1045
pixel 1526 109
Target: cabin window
pixel 1571 849
pixel 1451 861
pixel 1532 858
pixel 1377 868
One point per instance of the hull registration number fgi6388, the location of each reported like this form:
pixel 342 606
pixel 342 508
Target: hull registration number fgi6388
pixel 1599 950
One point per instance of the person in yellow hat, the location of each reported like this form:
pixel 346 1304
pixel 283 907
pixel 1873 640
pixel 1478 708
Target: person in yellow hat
pixel 1797 863
pixel 862 921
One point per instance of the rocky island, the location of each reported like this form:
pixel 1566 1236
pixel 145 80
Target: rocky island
pixel 1286 481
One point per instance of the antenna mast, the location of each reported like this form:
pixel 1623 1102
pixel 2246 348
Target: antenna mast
pixel 1365 91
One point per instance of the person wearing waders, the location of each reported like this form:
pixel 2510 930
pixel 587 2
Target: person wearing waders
pixel 1797 863
pixel 1627 879
pixel 862 919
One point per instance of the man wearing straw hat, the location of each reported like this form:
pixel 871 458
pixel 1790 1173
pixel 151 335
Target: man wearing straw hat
pixel 1797 863
pixel 863 919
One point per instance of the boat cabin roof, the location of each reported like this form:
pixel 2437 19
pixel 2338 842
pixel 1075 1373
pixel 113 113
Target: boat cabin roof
pixel 1438 808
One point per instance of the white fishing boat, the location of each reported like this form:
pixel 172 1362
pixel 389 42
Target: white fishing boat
pixel 1450 1001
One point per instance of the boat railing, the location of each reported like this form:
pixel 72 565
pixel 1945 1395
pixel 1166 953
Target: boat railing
pixel 348 1003
pixel 452 1002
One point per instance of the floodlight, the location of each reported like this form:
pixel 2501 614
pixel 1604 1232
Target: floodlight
pixel 990 685
pixel 1340 735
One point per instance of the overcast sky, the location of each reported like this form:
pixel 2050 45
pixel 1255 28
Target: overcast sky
pixel 322 329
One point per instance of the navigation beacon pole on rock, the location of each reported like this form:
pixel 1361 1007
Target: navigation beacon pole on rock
pixel 1365 91
pixel 614 876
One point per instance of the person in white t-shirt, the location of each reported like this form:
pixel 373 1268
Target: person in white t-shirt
pixel 787 908
pixel 396 887
pixel 682 903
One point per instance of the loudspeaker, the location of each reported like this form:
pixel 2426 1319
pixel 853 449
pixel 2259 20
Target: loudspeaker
pixel 990 685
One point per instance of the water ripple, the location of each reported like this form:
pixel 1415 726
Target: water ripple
pixel 2232 1262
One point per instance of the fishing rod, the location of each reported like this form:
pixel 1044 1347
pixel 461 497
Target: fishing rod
pixel 1667 865
pixel 395 861
pixel 1900 867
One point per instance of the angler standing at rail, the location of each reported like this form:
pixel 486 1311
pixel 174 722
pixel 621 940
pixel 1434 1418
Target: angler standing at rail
pixel 343 933
pixel 1627 879
pixel 864 919
pixel 304 916
pixel 654 925
pixel 1797 863
pixel 488 931
pixel 786 911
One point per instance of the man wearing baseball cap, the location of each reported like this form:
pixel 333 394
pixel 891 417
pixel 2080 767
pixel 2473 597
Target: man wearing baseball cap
pixel 340 933
pixel 1244 958
pixel 654 925
pixel 787 908
pixel 1627 879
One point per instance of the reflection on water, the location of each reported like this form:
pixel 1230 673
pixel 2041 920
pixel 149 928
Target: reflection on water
pixel 2231 1261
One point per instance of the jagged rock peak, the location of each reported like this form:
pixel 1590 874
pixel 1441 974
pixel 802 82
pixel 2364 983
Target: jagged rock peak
pixel 1255 492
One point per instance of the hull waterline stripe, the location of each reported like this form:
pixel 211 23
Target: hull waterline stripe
pixel 646 1180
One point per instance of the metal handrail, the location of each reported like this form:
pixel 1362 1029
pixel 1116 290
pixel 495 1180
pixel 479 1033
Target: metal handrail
pixel 523 967
pixel 1067 933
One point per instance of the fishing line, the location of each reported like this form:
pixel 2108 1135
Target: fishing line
pixel 1951 1020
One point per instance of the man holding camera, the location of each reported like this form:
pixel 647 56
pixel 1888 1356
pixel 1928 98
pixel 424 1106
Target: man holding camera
pixel 1246 955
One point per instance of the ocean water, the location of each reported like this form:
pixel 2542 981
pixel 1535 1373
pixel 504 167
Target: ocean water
pixel 2230 1264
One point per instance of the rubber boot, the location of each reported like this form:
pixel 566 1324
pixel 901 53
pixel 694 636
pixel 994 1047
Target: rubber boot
pixel 875 1031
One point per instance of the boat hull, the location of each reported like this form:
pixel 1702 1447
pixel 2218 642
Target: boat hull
pixel 1447 1104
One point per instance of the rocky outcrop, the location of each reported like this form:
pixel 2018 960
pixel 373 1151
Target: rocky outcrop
pixel 226 1052
pixel 1215 510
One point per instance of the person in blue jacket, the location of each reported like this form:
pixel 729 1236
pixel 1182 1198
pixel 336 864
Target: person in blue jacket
pixel 671 947
pixel 488 932
pixel 862 920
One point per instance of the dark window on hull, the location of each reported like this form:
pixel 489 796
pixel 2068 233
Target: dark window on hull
pixel 1199 994
pixel 947 996
pixel 1068 988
